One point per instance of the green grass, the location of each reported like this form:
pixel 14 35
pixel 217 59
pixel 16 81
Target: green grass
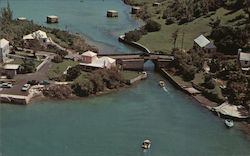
pixel 128 75
pixel 56 71
pixel 162 40
pixel 20 61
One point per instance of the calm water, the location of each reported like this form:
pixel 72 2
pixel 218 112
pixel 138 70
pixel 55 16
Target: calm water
pixel 87 18
pixel 114 124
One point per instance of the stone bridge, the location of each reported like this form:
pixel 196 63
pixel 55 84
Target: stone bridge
pixel 136 61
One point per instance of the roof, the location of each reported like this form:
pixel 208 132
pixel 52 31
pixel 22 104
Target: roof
pixel 232 110
pixel 244 56
pixel 11 66
pixel 107 59
pixel 113 11
pixel 53 16
pixel 89 53
pixel 3 43
pixel 39 34
pixel 202 41
pixel 210 46
pixel 100 62
pixel 21 18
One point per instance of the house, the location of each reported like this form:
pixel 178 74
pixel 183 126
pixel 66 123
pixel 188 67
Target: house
pixel 201 43
pixel 38 35
pixel 4 50
pixel 90 61
pixel 244 60
pixel 11 70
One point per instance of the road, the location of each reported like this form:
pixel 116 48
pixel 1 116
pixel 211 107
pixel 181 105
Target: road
pixel 21 79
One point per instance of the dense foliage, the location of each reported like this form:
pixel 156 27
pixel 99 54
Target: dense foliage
pixel 96 81
pixel 58 91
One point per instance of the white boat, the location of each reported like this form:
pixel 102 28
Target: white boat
pixel 229 123
pixel 161 83
pixel 146 144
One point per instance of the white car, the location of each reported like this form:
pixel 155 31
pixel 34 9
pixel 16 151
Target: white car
pixel 25 87
pixel 6 85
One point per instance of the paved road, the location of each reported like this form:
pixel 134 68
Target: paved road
pixel 21 79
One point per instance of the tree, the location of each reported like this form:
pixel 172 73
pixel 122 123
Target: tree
pixel 175 36
pixel 57 59
pixel 28 66
pixel 7 14
pixel 73 73
pixel 152 26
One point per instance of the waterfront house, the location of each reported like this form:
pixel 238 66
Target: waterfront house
pixel 90 61
pixel 244 60
pixel 4 50
pixel 39 35
pixel 201 43
pixel 11 70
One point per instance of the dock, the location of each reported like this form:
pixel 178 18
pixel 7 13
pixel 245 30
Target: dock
pixel 112 13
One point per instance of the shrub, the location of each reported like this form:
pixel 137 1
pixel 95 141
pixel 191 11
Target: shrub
pixel 152 26
pixel 58 91
pixel 170 20
pixel 57 59
pixel 73 73
pixel 133 36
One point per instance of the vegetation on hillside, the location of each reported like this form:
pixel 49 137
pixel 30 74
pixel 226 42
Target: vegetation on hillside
pixel 14 30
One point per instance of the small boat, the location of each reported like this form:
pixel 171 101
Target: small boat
pixel 146 144
pixel 229 123
pixel 161 83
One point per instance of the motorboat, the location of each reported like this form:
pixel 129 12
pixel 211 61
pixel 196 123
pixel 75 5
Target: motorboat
pixel 161 83
pixel 229 123
pixel 146 144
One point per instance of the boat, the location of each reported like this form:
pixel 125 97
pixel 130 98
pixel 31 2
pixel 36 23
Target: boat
pixel 229 123
pixel 146 144
pixel 161 83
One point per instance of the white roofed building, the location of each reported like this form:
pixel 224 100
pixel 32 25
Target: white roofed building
pixel 11 70
pixel 4 50
pixel 201 43
pixel 90 61
pixel 39 35
pixel 244 60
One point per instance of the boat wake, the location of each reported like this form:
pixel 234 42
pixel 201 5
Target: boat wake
pixel 165 89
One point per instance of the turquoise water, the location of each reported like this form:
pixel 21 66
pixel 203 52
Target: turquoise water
pixel 87 18
pixel 116 124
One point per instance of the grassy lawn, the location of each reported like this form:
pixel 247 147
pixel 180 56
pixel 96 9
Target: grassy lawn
pixel 162 40
pixel 57 69
pixel 127 75
pixel 20 61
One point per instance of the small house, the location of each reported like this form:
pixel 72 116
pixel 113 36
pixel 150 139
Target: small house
pixel 52 19
pixel 4 50
pixel 135 10
pixel 112 13
pixel 244 60
pixel 89 57
pixel 11 70
pixel 201 43
pixel 38 35
pixel 90 61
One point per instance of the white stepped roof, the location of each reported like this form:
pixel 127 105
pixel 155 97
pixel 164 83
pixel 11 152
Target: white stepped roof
pixel 11 66
pixel 202 41
pixel 3 43
pixel 107 60
pixel 244 56
pixel 89 53
pixel 37 34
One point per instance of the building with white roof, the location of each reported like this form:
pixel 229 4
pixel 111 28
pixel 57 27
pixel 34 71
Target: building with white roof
pixel 201 43
pixel 39 35
pixel 11 70
pixel 4 50
pixel 244 60
pixel 90 61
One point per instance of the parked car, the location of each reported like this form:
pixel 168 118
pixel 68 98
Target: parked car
pixel 6 85
pixel 44 82
pixel 33 82
pixel 25 87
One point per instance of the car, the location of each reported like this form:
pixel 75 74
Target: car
pixel 33 82
pixel 44 82
pixel 6 85
pixel 25 87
